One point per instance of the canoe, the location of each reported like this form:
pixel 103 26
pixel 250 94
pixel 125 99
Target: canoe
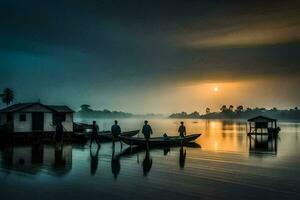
pixel 159 141
pixel 107 136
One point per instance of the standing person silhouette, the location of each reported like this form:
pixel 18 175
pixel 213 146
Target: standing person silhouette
pixel 182 130
pixel 147 131
pixel 94 134
pixel 116 131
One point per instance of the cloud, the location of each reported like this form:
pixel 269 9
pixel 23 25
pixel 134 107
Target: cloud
pixel 277 23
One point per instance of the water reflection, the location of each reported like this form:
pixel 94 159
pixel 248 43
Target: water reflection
pixel 166 151
pixel 56 160
pixel 94 160
pixel 147 163
pixel 115 163
pixel 182 156
pixel 37 154
pixel 222 135
pixel 259 145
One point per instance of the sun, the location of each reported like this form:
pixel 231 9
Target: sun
pixel 216 89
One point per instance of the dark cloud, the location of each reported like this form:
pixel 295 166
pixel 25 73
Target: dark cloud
pixel 132 45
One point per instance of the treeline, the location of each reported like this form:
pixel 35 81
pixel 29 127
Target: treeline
pixel 87 112
pixel 240 113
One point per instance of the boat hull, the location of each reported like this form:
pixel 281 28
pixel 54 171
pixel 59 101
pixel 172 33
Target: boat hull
pixel 107 137
pixel 159 141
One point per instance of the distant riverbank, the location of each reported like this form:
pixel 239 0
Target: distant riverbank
pixel 87 112
pixel 240 113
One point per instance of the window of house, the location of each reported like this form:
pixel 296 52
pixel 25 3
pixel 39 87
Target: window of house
pixel 22 117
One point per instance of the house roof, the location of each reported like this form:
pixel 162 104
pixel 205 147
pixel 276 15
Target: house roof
pixel 61 108
pixel 261 118
pixel 21 106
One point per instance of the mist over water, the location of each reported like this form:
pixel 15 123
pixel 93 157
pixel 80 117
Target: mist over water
pixel 225 162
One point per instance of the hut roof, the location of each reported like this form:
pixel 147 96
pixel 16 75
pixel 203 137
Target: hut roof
pixel 261 118
pixel 21 106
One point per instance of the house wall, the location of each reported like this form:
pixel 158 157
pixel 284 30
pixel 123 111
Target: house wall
pixel 48 122
pixel 26 126
pixel 68 124
pixel 22 126
pixel 2 119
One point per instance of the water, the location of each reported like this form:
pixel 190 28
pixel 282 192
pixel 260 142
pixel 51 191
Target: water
pixel 226 165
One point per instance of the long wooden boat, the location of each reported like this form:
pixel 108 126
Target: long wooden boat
pixel 107 136
pixel 159 141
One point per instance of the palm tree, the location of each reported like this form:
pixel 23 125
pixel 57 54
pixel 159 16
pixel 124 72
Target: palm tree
pixel 207 110
pixel 223 108
pixel 7 96
pixel 239 109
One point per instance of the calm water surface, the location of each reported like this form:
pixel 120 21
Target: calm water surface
pixel 224 165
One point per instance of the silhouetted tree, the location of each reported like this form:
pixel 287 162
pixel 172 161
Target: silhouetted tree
pixel 231 108
pixel 274 109
pixel 207 110
pixel 194 115
pixel 239 109
pixel 296 108
pixel 223 108
pixel 85 108
pixel 7 96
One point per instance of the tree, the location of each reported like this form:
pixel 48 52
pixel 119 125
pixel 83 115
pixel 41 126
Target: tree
pixel 207 110
pixel 231 108
pixel 85 107
pixel 194 115
pixel 296 108
pixel 274 109
pixel 7 96
pixel 223 108
pixel 239 109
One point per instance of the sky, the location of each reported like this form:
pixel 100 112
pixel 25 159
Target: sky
pixel 151 56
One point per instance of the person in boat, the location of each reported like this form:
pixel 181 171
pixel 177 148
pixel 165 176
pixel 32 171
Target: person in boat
pixel 59 131
pixel 182 130
pixel 94 135
pixel 147 131
pixel 166 137
pixel 116 131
